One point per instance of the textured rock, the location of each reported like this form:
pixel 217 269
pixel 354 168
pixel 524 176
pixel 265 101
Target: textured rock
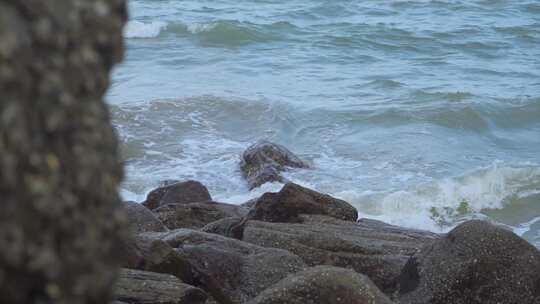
pixel 177 193
pixel 231 227
pixel 240 269
pixel 476 263
pixel 293 200
pixel 323 285
pixel 141 219
pixel 142 287
pixel 262 162
pixel 372 248
pixel 61 220
pixel 196 215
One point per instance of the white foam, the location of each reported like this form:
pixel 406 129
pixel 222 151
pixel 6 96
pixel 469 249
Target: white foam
pixel 197 28
pixel 138 29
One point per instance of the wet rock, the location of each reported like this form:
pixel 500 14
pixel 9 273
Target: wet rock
pixel 231 227
pixel 141 219
pixel 196 215
pixel 323 285
pixel 142 287
pixel 177 193
pixel 242 270
pixel 372 248
pixel 293 200
pixel 264 161
pixel 476 262
pixel 61 222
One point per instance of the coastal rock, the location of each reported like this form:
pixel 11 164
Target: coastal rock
pixel 61 222
pixel 242 270
pixel 263 161
pixel 293 200
pixel 142 287
pixel 323 285
pixel 231 227
pixel 196 215
pixel 369 247
pixel 177 193
pixel 141 219
pixel 477 262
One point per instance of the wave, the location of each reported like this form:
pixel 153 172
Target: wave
pixel 138 29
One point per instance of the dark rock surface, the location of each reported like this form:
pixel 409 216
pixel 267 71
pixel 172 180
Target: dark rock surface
pixel 231 227
pixel 142 287
pixel 372 248
pixel 61 221
pixel 141 219
pixel 263 162
pixel 476 263
pixel 177 193
pixel 323 285
pixel 242 270
pixel 196 215
pixel 293 200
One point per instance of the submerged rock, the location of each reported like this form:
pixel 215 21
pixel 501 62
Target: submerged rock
pixel 264 161
pixel 177 193
pixel 141 219
pixel 142 287
pixel 293 200
pixel 61 222
pixel 372 248
pixel 323 285
pixel 196 215
pixel 476 262
pixel 241 270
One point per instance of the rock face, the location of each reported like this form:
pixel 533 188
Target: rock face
pixel 141 219
pixel 372 248
pixel 323 285
pixel 475 263
pixel 141 287
pixel 263 162
pixel 61 222
pixel 293 200
pixel 196 215
pixel 177 193
pixel 240 269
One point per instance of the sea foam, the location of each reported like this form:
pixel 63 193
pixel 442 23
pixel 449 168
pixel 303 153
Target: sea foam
pixel 138 29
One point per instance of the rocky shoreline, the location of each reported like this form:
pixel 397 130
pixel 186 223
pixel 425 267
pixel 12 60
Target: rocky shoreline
pixel 301 246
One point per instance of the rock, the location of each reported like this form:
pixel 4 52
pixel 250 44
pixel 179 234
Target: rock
pixel 177 193
pixel 142 287
pixel 231 227
pixel 262 162
pixel 61 222
pixel 369 247
pixel 323 285
pixel 293 200
pixel 242 270
pixel 141 219
pixel 476 262
pixel 196 215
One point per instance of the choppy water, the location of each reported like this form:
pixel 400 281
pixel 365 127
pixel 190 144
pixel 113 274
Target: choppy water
pixel 420 113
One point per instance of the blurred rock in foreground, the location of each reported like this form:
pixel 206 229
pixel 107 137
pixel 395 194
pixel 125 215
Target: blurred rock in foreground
pixel 59 225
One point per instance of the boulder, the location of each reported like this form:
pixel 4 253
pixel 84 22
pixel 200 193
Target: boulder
pixel 61 222
pixel 142 287
pixel 240 269
pixel 196 215
pixel 323 285
pixel 263 162
pixel 293 200
pixel 231 227
pixel 141 219
pixel 372 248
pixel 177 193
pixel 476 262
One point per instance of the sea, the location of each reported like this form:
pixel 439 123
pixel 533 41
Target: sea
pixel 422 114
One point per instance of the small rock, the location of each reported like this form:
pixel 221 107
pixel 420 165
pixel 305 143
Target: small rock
pixel 141 219
pixel 142 287
pixel 323 285
pixel 263 162
pixel 477 262
pixel 177 193
pixel 196 215
pixel 293 200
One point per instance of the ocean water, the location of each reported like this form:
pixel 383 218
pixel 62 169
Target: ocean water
pixel 419 113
